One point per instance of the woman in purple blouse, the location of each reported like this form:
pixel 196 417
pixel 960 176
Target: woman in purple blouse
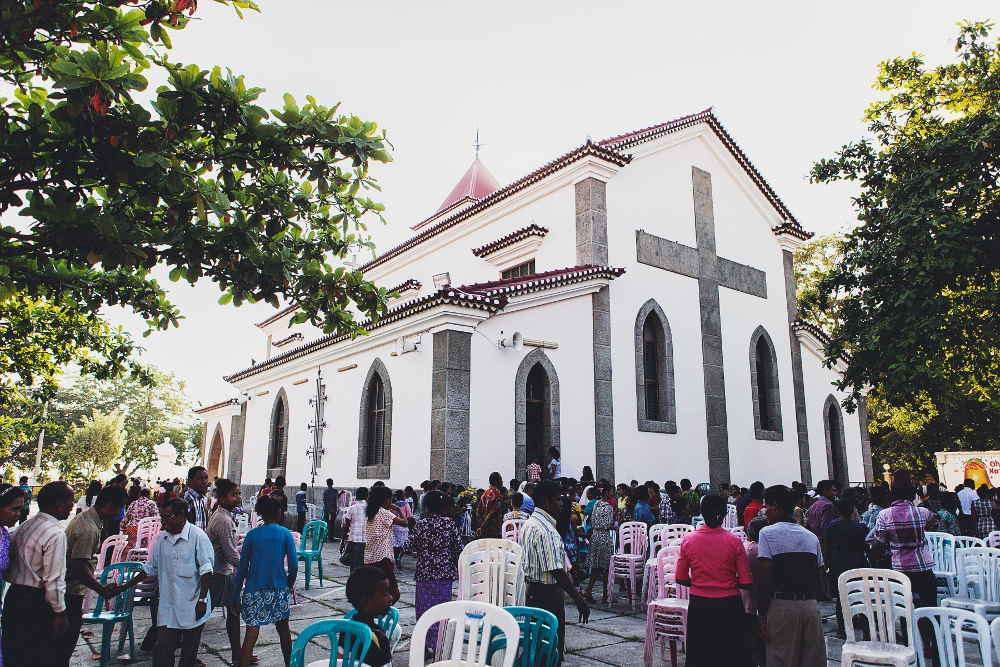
pixel 11 505
pixel 437 544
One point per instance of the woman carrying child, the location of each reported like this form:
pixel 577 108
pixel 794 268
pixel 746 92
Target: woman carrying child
pixel 437 545
pixel 382 515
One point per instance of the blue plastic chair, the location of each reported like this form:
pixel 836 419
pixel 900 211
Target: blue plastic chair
pixel 539 643
pixel 313 538
pixel 121 611
pixel 389 623
pixel 356 636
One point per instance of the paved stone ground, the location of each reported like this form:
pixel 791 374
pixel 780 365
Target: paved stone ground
pixel 613 637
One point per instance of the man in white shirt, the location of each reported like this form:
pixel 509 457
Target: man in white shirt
pixel 966 497
pixel 352 540
pixel 35 603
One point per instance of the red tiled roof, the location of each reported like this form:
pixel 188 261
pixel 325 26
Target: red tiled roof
pixel 477 183
pixel 588 149
pixel 490 248
pixel 792 230
pixel 278 315
pixel 208 408
pixel 538 281
pixel 446 295
pixel 626 141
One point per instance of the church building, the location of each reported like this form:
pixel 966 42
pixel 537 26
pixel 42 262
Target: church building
pixel 630 303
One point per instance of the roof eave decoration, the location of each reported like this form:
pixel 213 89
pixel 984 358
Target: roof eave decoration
pixel 405 286
pixel 278 315
pixel 802 327
pixel 446 295
pixel 510 239
pixel 589 149
pixel 523 285
pixel 707 116
pixel 216 406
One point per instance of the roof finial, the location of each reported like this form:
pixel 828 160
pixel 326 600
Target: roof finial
pixel 477 144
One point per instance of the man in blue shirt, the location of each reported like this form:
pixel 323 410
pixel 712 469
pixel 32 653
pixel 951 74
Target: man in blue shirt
pixel 529 502
pixel 27 500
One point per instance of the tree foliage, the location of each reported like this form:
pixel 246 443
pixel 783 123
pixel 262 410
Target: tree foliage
pixel 814 260
pixel 199 180
pixel 93 446
pixel 919 277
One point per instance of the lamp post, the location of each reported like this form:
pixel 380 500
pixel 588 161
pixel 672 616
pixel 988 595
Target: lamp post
pixel 316 426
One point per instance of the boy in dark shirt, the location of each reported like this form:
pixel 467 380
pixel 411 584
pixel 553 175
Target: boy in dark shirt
pixel 368 590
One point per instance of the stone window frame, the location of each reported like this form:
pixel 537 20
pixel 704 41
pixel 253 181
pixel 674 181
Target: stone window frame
pixel 773 391
pixel 831 456
pixel 278 470
pixel 536 356
pixel 664 371
pixel 380 471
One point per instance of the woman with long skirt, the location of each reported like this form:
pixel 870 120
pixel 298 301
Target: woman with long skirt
pixel 437 545
pixel 602 519
pixel 714 564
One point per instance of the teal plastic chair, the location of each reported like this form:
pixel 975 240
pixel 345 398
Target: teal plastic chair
pixel 539 643
pixel 389 623
pixel 120 612
pixel 356 636
pixel 313 538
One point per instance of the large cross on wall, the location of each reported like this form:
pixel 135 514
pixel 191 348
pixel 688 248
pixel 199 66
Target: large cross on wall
pixel 711 272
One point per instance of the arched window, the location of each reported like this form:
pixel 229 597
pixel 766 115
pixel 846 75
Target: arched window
pixel 376 422
pixel 764 387
pixel 654 371
pixel 278 437
pixel 836 446
pixel 375 433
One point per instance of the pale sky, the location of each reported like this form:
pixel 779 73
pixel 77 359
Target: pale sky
pixel 789 80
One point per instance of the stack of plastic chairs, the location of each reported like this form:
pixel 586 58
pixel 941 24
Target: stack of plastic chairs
pixel 993 539
pixel 666 616
pixel 655 544
pixel 489 570
pixel 978 571
pixel 884 598
pixel 145 532
pixel 731 520
pixel 739 532
pixel 512 530
pixel 942 547
pixel 629 560
pixel 112 552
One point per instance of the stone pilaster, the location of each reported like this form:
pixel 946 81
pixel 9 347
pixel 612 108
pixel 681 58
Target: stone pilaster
pixel 866 445
pixel 591 223
pixel 236 435
pixel 798 383
pixel 450 398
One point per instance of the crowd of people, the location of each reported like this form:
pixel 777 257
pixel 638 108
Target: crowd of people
pixel 749 606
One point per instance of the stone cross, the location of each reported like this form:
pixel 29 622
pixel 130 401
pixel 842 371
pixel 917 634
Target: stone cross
pixel 712 272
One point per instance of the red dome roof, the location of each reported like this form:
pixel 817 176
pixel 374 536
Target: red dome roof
pixel 477 183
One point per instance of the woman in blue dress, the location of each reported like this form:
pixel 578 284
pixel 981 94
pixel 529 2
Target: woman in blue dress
pixel 262 583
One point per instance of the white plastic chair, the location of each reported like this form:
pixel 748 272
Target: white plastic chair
pixel 884 598
pixel 673 552
pixel 942 547
pixel 952 629
pixel 666 616
pixel 964 542
pixel 978 571
pixel 511 530
pixel 243 524
pixel 627 561
pixel 731 520
pixel 739 532
pixel 470 626
pixel 673 531
pixel 489 570
pixel 993 540
pixel 995 634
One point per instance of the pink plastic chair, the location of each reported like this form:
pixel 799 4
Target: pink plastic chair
pixel 512 530
pixel 112 551
pixel 666 616
pixel 628 562
pixel 146 529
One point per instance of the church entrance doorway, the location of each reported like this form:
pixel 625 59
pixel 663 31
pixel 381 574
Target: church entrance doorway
pixel 215 456
pixel 537 436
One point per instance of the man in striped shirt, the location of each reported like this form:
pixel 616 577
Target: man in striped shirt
pixel 35 603
pixel 195 497
pixel 545 560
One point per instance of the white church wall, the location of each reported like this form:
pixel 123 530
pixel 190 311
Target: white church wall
pixel 818 385
pixel 659 456
pixel 492 439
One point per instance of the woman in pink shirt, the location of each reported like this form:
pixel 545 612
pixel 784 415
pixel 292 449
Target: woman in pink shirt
pixel 714 564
